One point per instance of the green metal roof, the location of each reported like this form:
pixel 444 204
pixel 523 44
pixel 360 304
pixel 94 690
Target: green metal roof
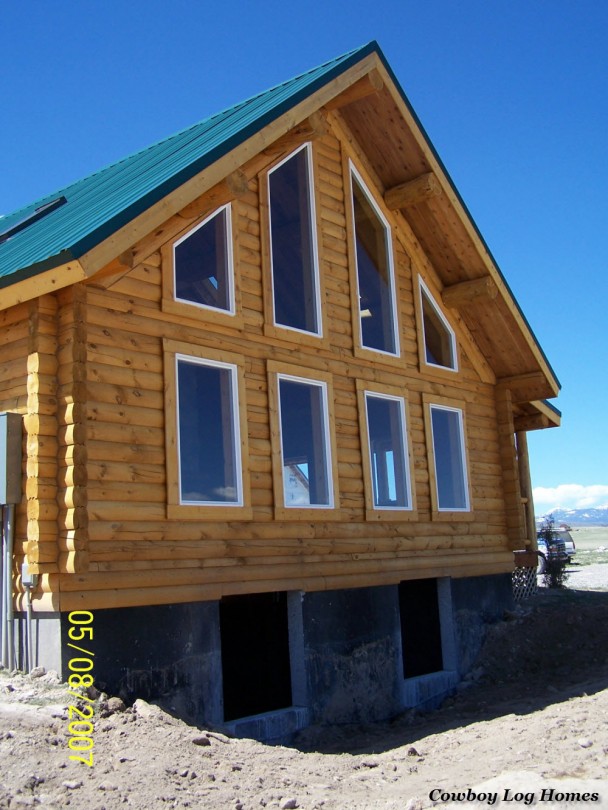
pixel 101 203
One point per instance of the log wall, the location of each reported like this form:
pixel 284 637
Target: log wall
pixel 114 544
pixel 15 344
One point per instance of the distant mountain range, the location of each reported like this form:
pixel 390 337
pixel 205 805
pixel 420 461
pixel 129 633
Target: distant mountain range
pixel 579 517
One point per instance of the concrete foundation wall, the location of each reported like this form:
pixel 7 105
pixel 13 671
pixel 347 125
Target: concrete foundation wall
pixel 169 654
pixel 353 654
pixel 477 602
pixel 345 654
pixel 46 642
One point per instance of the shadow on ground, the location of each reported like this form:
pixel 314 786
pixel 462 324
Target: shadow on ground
pixel 554 650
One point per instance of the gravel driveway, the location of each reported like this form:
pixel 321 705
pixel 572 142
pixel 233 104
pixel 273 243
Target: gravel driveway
pixel 587 577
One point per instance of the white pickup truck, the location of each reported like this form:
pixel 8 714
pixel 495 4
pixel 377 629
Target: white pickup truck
pixel 562 548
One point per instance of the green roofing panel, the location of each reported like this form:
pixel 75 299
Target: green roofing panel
pixel 103 202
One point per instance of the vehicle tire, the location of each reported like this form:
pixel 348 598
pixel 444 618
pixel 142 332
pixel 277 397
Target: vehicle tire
pixel 542 564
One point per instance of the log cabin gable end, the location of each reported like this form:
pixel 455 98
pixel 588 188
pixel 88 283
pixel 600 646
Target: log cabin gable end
pixel 333 412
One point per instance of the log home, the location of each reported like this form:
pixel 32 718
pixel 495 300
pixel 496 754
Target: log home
pixel 274 394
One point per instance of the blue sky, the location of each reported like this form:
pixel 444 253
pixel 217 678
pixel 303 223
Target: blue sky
pixel 512 93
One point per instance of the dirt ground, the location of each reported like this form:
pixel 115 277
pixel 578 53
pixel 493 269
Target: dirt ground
pixel 528 727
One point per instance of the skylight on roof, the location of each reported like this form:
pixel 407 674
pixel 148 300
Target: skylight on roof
pixel 32 217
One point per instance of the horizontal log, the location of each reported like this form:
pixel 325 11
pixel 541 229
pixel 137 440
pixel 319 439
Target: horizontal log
pixel 73 562
pixel 234 186
pixel 124 452
pixel 40 425
pixel 126 415
pixel 106 393
pixel 119 510
pixel 42 552
pixel 415 191
pixel 136 288
pixel 72 497
pixel 128 377
pixel 137 494
pixel 111 433
pixel 372 83
pixel 467 293
pixel 76 540
pixel 135 473
pixel 41 602
pixel 72 455
pixel 149 360
pixel 251 573
pixel 42 404
pixel 185 556
pixel 72 435
pixel 144 550
pixel 76 518
pixel 40 488
pixel 38 363
pixel 42 510
pixel 315 126
pixel 41 385
pixel 41 531
pixel 532 422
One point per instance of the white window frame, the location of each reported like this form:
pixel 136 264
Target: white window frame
pixel 367 394
pixel 229 262
pixel 354 173
pixel 314 243
pixel 462 457
pixel 235 426
pixel 326 438
pixel 424 291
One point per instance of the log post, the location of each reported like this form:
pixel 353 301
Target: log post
pixel 516 528
pixel 525 480
pixel 40 425
pixel 72 473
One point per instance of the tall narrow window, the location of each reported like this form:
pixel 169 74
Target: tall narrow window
pixel 305 447
pixel 388 451
pixel 449 459
pixel 376 286
pixel 208 432
pixel 203 264
pixel 295 275
pixel 439 338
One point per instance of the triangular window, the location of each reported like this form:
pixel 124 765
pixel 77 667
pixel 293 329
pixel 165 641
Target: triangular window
pixel 439 338
pixel 203 264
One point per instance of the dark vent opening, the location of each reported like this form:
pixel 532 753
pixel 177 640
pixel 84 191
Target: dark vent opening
pixel 256 671
pixel 420 627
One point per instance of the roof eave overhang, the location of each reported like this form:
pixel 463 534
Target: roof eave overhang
pixel 41 279
pixel 451 198
pixel 537 415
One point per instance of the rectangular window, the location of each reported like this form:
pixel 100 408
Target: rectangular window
pixel 203 264
pixel 375 277
pixel 208 433
pixel 293 248
pixel 388 454
pixel 449 458
pixel 305 446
